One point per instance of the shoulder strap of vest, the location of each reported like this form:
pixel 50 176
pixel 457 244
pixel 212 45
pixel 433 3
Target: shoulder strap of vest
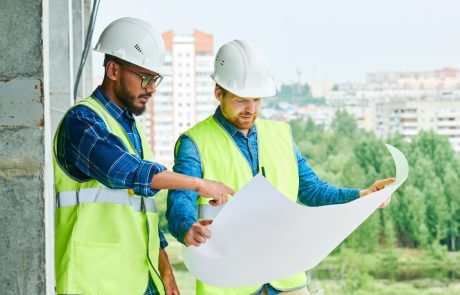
pixel 112 125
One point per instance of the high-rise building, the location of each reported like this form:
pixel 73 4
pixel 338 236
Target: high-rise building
pixel 184 98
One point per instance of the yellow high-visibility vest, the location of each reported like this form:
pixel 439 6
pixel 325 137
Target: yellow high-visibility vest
pixel 106 239
pixel 222 160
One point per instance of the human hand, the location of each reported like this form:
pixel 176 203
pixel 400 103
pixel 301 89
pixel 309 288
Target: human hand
pixel 376 186
pixel 215 190
pixel 198 233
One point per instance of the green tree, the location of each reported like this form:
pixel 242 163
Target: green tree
pixel 451 185
pixel 424 211
pixel 437 148
pixel 371 155
pixel 436 207
pixel 344 124
pixel 352 174
pixel 408 209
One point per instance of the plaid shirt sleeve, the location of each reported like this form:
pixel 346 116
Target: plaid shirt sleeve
pixel 87 150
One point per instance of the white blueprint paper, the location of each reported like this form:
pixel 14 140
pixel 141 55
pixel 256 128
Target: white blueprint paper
pixel 260 235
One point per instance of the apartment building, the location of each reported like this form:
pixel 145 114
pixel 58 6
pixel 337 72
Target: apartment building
pixel 404 102
pixel 439 114
pixel 184 98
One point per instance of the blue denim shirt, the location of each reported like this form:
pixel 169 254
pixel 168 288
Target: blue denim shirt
pixel 87 150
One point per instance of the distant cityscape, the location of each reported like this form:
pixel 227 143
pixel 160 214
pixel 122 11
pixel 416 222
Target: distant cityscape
pixel 386 103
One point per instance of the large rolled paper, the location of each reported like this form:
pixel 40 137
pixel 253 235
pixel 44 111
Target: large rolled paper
pixel 260 235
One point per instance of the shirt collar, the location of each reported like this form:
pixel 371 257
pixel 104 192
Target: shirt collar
pixel 232 130
pixel 112 107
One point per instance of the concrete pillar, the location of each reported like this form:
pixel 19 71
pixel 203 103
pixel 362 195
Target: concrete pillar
pixel 40 50
pixel 25 150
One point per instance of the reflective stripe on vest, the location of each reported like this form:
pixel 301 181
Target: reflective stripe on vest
pixel 104 195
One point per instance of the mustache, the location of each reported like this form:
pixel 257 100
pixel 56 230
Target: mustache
pixel 248 114
pixel 146 95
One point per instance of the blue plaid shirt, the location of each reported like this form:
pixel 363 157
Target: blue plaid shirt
pixel 87 150
pixel 182 207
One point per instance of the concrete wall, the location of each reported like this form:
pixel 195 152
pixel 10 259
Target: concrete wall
pixel 22 148
pixel 40 50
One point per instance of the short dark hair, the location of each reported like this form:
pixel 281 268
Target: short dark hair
pixel 109 57
pixel 224 91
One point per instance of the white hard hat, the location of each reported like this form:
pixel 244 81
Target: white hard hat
pixel 242 68
pixel 135 41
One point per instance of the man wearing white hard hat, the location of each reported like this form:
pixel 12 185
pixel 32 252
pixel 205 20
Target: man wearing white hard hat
pixel 107 236
pixel 232 145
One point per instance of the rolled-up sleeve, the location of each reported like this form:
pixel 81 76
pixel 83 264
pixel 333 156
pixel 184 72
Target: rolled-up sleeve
pixel 144 176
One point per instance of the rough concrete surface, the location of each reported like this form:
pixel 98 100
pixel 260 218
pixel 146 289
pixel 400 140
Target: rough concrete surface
pixel 22 241
pixel 20 39
pixel 21 103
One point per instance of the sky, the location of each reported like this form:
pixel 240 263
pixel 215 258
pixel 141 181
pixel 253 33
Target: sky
pixel 321 40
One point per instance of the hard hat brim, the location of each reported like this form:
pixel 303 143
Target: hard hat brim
pixel 162 70
pixel 268 91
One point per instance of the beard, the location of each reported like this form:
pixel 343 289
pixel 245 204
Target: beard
pixel 240 124
pixel 128 99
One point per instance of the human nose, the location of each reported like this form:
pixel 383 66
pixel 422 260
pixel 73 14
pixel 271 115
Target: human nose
pixel 251 106
pixel 151 88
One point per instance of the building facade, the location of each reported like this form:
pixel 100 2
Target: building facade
pixel 405 103
pixel 184 98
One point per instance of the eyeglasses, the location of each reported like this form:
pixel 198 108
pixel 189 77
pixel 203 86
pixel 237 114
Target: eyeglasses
pixel 147 80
